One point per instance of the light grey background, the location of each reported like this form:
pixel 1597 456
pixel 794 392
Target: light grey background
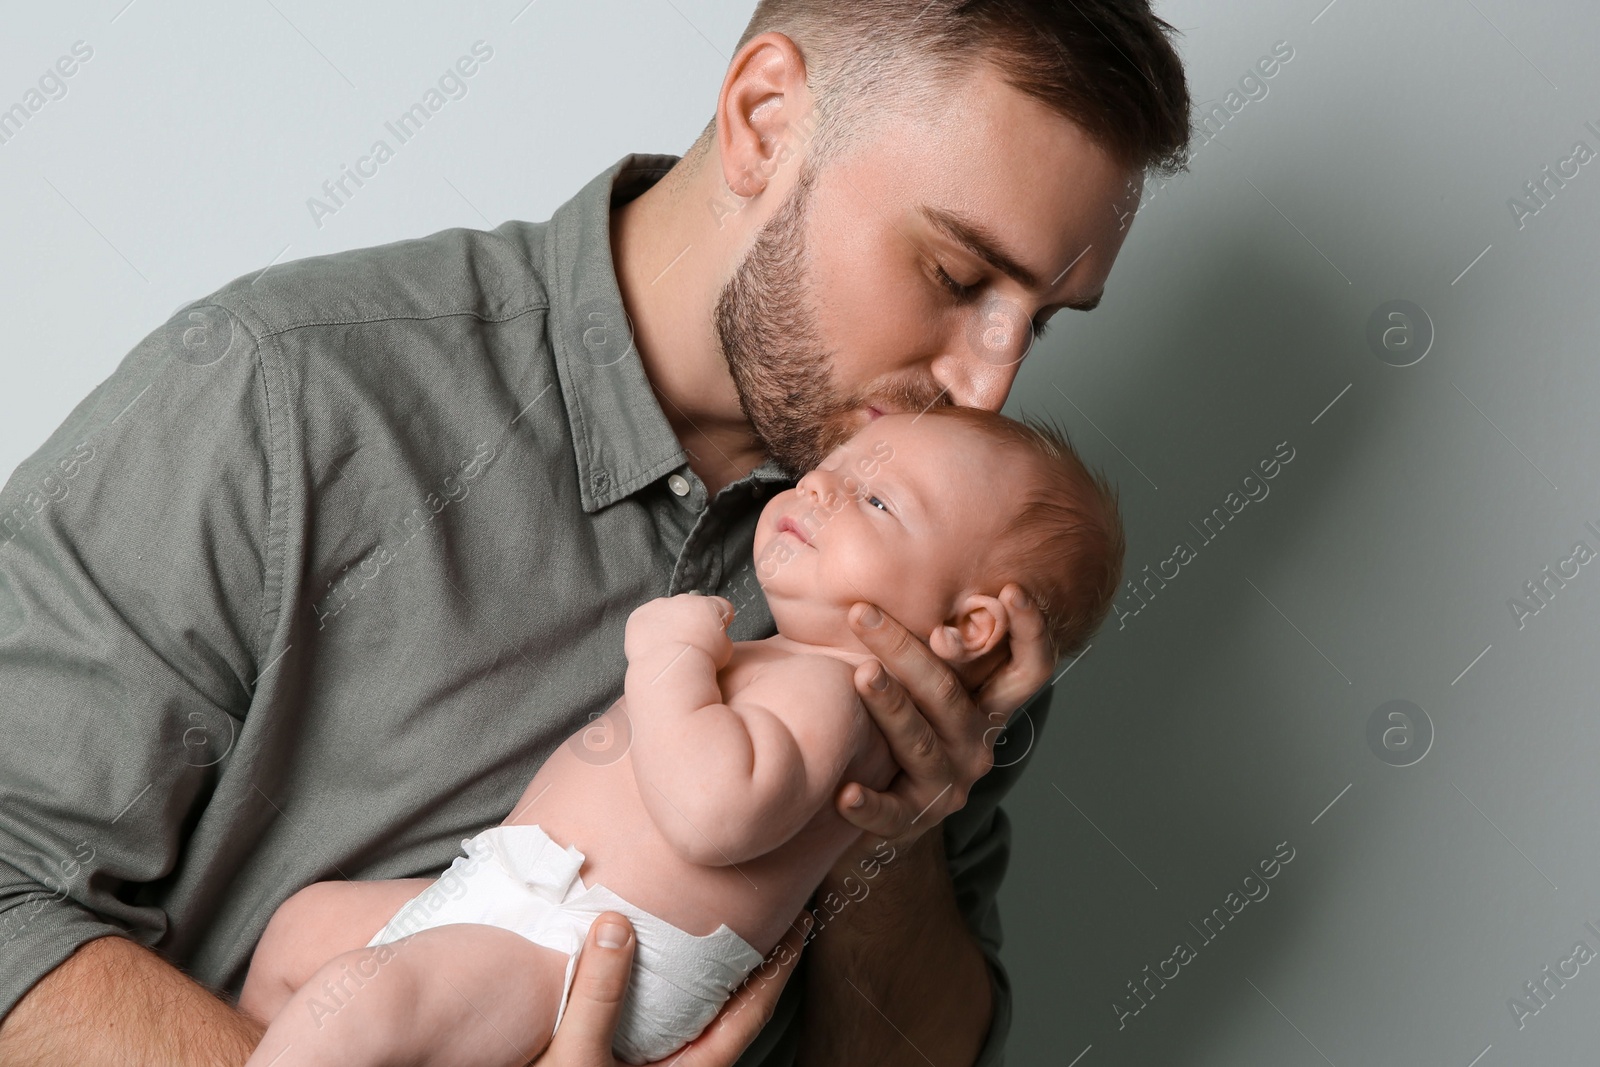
pixel 1226 717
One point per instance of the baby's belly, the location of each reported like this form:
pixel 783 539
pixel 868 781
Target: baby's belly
pixel 586 796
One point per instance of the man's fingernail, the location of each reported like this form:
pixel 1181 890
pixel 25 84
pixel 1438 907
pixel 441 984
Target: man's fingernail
pixel 870 619
pixel 612 936
pixel 1022 599
pixel 861 798
pixel 880 679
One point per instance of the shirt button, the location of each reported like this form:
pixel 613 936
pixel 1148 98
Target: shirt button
pixel 679 484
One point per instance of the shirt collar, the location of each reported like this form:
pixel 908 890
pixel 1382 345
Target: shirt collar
pixel 621 436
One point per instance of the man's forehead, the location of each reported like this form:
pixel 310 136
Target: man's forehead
pixel 1019 186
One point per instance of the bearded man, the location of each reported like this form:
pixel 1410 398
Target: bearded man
pixel 340 553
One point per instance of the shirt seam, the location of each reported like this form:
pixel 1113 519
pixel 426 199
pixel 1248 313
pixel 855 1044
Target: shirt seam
pixel 273 579
pixel 582 444
pixel 279 331
pixel 274 553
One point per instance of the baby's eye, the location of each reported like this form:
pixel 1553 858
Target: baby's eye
pixel 875 502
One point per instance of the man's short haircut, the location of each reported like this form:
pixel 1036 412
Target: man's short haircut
pixel 1064 544
pixel 1106 65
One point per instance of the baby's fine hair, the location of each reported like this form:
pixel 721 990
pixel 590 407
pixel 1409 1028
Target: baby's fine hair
pixel 1064 546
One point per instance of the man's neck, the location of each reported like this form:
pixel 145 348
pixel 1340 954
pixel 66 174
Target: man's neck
pixel 667 259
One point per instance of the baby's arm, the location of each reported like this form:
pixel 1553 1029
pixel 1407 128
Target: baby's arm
pixel 727 780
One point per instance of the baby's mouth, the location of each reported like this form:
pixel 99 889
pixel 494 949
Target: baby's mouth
pixel 788 525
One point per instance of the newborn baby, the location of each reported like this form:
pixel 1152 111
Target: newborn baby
pixel 714 826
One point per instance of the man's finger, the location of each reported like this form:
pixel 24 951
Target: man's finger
pixel 915 742
pixel 898 648
pixel 881 814
pixel 1030 664
pixel 930 687
pixel 599 985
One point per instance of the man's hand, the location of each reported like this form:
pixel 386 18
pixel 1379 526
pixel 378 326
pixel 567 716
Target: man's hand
pixel 601 981
pixel 899 972
pixel 942 736
pixel 688 619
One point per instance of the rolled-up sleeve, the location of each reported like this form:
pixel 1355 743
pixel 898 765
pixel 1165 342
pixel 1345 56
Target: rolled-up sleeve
pixel 978 848
pixel 135 561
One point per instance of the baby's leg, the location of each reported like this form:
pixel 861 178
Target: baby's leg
pixel 463 995
pixel 317 923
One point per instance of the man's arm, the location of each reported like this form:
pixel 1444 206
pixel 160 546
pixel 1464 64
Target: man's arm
pixel 895 971
pixel 113 1001
pixel 133 611
pixel 896 977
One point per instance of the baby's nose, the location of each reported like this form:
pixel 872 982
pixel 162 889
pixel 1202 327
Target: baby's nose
pixel 828 488
pixel 819 484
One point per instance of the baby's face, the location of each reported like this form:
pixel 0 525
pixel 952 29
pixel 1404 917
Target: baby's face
pixel 896 516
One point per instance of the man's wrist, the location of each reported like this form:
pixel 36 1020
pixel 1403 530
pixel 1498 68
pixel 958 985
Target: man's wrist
pixel 898 949
pixel 882 885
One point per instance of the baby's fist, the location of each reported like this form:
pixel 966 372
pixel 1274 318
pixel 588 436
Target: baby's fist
pixel 685 619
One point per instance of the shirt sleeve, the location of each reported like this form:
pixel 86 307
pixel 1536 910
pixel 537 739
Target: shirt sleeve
pixel 134 609
pixel 978 848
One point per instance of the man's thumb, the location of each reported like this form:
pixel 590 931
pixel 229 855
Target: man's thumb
pixel 599 985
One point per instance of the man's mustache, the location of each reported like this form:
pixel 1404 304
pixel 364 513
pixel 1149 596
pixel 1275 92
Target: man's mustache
pixel 903 397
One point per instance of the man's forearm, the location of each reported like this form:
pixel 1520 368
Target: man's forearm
pixel 117 1004
pixel 896 977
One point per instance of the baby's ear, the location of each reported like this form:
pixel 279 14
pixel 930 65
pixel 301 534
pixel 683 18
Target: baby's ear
pixel 979 624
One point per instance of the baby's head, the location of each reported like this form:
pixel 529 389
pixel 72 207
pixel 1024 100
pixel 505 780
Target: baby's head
pixel 929 516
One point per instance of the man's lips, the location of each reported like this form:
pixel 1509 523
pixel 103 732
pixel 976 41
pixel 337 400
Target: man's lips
pixel 788 525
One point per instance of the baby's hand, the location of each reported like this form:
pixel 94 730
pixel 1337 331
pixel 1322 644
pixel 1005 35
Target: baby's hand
pixel 686 619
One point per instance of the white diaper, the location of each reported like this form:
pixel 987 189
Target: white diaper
pixel 517 878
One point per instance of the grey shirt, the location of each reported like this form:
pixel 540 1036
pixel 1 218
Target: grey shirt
pixel 313 583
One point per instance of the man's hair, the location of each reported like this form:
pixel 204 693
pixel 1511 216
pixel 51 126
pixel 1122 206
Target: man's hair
pixel 1106 65
pixel 1065 543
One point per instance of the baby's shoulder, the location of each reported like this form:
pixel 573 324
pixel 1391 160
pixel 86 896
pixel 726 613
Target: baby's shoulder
pixel 802 677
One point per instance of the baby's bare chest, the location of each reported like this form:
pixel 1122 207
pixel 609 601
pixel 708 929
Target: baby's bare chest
pixel 587 795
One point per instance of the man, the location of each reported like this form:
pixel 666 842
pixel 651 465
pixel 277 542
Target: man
pixel 312 584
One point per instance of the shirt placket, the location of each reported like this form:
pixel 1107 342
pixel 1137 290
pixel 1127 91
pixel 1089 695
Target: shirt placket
pixel 698 567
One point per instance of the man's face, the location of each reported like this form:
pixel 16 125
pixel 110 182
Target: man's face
pixel 867 290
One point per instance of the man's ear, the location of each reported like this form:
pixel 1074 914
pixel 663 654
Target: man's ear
pixel 763 95
pixel 979 624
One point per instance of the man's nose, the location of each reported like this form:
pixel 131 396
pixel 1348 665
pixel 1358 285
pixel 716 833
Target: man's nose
pixel 984 356
pixel 976 380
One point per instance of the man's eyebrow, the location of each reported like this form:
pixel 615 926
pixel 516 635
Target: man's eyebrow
pixel 981 242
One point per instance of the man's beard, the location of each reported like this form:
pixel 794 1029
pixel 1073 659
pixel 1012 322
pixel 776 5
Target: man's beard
pixel 769 338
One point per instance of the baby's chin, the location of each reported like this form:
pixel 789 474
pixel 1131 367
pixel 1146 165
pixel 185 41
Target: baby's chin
pixel 816 622
pixel 812 621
